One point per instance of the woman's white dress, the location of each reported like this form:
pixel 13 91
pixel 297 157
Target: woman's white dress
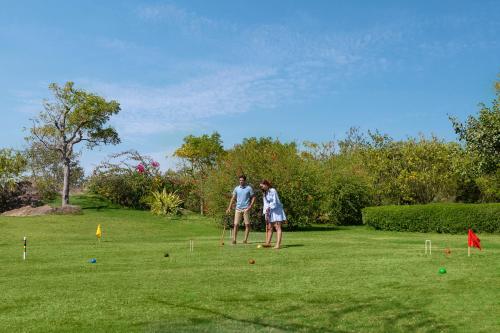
pixel 273 203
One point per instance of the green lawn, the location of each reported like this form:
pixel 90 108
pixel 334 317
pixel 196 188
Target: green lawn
pixel 331 280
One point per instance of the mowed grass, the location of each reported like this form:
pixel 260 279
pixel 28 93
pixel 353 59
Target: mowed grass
pixel 332 280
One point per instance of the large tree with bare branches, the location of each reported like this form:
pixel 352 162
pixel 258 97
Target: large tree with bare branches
pixel 73 117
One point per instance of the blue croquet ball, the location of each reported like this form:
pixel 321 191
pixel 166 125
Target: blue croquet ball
pixel 442 270
pixel 92 261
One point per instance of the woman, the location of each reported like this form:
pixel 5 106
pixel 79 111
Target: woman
pixel 273 210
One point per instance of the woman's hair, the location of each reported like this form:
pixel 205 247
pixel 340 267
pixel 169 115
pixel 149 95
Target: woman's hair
pixel 267 183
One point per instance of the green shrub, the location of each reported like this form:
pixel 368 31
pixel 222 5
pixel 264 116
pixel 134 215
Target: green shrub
pixel 16 195
pixel 12 166
pixel 345 199
pixel 164 203
pixel 443 218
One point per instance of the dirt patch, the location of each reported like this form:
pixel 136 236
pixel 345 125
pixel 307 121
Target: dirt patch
pixel 43 210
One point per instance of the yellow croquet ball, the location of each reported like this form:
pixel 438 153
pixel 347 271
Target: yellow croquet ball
pixel 259 246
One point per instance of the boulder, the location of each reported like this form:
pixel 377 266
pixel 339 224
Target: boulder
pixel 68 209
pixel 30 211
pixel 43 210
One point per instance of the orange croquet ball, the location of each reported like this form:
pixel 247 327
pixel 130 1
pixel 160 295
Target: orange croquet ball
pixel 251 261
pixel 447 251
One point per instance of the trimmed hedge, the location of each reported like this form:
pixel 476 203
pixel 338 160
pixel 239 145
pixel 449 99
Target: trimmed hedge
pixel 443 218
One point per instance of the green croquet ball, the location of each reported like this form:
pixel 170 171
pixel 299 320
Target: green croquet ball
pixel 442 270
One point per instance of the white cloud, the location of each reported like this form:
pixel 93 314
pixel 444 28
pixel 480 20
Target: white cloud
pixel 29 102
pixel 117 44
pixel 276 64
pixel 231 90
pixel 176 16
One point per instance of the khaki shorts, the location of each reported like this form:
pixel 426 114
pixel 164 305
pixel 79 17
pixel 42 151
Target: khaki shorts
pixel 238 214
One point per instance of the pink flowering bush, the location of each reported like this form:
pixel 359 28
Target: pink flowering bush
pixel 140 168
pixel 129 178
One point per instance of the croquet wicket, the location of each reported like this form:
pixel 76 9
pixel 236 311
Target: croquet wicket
pixel 24 250
pixel 428 245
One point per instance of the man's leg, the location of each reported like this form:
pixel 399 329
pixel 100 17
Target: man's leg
pixel 246 218
pixel 236 222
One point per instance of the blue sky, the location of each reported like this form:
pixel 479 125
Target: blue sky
pixel 293 70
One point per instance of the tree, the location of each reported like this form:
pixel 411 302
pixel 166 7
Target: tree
pixel 46 170
pixel 201 155
pixel 481 134
pixel 75 116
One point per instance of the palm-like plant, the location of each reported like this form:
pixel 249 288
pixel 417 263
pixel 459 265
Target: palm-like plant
pixel 165 203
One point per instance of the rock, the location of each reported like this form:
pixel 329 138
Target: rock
pixel 68 209
pixel 43 210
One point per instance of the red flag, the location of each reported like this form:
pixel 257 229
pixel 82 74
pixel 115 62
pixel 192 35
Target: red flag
pixel 473 240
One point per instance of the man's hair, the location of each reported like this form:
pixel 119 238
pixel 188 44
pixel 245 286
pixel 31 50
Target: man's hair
pixel 243 176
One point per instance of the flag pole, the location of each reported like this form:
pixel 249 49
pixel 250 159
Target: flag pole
pixel 468 250
pixel 24 252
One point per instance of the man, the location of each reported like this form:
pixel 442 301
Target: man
pixel 245 198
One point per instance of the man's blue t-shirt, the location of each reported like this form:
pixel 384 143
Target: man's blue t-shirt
pixel 243 196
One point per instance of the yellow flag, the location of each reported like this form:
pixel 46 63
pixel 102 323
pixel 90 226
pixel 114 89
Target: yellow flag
pixel 98 233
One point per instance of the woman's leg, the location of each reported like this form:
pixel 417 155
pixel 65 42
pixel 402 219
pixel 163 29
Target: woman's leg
pixel 277 226
pixel 269 233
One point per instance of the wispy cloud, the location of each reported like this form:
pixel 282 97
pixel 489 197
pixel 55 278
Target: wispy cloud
pixel 227 91
pixel 177 16
pixel 275 64
pixel 117 44
pixel 29 101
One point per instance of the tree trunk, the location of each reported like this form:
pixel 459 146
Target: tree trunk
pixel 202 205
pixel 65 191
